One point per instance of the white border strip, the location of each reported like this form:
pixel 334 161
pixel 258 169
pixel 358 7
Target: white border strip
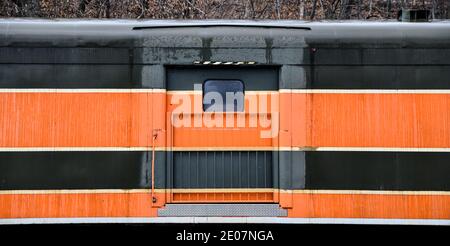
pixel 368 149
pixel 244 148
pixel 226 190
pixel 369 192
pixel 355 149
pixel 241 220
pixel 79 191
pixel 305 91
pixel 382 149
pixel 40 149
pixel 39 90
pixel 199 92
pixel 358 91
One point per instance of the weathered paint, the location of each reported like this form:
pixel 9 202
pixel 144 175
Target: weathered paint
pixel 412 120
pixel 307 204
pixel 312 205
pixel 77 205
pixel 343 57
pixel 80 119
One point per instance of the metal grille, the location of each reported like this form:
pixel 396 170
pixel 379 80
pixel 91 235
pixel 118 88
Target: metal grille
pixel 222 169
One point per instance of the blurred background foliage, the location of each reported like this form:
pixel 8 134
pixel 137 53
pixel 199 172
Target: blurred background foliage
pixel 220 9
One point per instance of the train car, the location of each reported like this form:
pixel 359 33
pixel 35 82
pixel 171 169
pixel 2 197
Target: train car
pixel 224 121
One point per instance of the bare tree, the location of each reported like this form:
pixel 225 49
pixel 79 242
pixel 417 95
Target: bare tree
pixel 344 10
pixel 313 11
pixel 277 9
pixel 228 9
pixel 389 6
pixel 433 8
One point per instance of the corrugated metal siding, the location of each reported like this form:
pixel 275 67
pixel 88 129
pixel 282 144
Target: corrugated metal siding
pixel 222 169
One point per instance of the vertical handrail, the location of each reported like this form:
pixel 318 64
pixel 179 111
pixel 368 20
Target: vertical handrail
pixel 154 136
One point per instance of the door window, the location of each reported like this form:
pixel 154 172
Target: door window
pixel 223 95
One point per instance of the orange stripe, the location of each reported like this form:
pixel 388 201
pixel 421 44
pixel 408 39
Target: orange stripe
pixel 240 137
pixel 369 206
pixel 313 120
pixel 304 205
pixel 367 120
pixel 77 205
pixel 79 119
pixel 340 120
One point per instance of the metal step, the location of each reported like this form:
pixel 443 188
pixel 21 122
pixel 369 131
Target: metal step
pixel 222 210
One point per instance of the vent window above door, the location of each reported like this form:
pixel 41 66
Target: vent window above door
pixel 223 95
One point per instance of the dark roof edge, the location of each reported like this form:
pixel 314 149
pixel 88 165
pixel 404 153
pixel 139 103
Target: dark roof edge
pixel 222 25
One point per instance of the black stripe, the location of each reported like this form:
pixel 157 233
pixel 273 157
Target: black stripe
pixel 378 170
pixel 70 76
pixel 382 56
pixel 378 77
pixel 222 169
pixel 131 170
pixel 74 170
pixel 56 55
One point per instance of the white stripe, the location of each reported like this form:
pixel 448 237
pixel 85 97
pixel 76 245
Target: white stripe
pixel 199 92
pixel 222 148
pixel 330 91
pixel 367 149
pixel 381 149
pixel 126 191
pixel 370 192
pixel 223 190
pixel 261 92
pixel 186 92
pixel 40 149
pixel 242 220
pixel 358 91
pixel 84 191
pixel 305 91
pixel 37 90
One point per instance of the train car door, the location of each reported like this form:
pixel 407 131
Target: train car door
pixel 222 133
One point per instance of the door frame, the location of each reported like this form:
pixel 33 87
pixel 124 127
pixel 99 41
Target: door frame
pixel 170 152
